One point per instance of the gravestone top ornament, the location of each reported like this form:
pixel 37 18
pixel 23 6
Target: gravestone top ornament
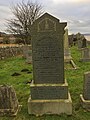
pixel 49 86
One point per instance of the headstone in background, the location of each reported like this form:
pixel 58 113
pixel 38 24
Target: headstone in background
pixel 85 55
pixel 79 44
pixel 84 43
pixel 49 90
pixel 8 101
pixel 27 53
pixel 67 54
pixel 70 40
pixel 85 97
pixel 81 41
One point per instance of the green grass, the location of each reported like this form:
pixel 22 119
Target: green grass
pixel 74 78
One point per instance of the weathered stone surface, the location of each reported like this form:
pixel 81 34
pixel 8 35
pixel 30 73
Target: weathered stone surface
pixel 85 97
pixel 8 101
pixel 85 103
pixel 85 54
pixel 47 50
pixel 79 44
pixel 86 88
pixel 47 91
pixel 67 54
pixel 82 43
pixel 27 53
pixel 59 106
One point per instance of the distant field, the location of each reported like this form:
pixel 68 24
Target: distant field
pixel 87 37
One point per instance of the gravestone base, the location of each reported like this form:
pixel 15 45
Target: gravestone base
pixel 44 91
pixel 85 103
pixel 55 106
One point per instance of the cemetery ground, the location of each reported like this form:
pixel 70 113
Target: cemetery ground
pixel 14 71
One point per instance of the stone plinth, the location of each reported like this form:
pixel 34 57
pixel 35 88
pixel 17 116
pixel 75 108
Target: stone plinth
pixel 54 106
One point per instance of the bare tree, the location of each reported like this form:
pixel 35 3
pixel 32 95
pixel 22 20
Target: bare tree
pixel 25 14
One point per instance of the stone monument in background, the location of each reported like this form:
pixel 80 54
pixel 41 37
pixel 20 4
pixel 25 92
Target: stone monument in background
pixel 81 41
pixel 85 55
pixel 85 97
pixel 27 53
pixel 8 101
pixel 49 89
pixel 67 54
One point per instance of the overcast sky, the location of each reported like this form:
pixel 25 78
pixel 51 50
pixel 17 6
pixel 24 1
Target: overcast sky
pixel 75 12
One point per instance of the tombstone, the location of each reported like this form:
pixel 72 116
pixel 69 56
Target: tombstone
pixel 67 54
pixel 27 53
pixel 8 101
pixel 82 43
pixel 49 89
pixel 70 40
pixel 85 97
pixel 85 55
pixel 79 40
pixel 79 44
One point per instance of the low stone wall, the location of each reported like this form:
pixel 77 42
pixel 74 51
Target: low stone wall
pixel 10 51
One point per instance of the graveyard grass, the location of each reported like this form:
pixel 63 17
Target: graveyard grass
pixel 21 84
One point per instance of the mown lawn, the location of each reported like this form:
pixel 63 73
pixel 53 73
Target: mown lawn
pixel 21 83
